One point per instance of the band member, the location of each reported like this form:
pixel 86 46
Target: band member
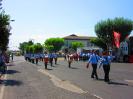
pixel 106 60
pixel 70 59
pixel 93 60
pixel 55 58
pixel 46 61
pixel 51 56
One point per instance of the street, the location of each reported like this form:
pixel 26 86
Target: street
pixel 25 80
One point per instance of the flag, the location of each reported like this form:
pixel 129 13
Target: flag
pixel 117 39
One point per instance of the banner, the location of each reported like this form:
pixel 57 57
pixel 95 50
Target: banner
pixel 117 39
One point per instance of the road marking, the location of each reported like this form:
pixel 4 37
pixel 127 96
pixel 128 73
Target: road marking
pixel 98 97
pixel 62 84
pixel 67 85
pixel 2 88
pixel 130 81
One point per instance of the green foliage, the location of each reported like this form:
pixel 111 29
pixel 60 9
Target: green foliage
pixel 4 30
pixel 75 45
pixel 54 44
pixel 49 48
pixel 38 48
pixel 98 42
pixel 104 29
pixel 123 26
pixel 24 47
pixel 31 49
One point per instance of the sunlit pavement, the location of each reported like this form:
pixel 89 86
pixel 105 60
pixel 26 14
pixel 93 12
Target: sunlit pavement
pixel 120 87
pixel 30 81
pixel 24 81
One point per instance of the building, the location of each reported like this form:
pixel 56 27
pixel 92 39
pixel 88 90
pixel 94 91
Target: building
pixel 85 40
pixel 126 50
pixel 124 47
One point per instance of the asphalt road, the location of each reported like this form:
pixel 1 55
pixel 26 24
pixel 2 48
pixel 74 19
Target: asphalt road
pixel 25 80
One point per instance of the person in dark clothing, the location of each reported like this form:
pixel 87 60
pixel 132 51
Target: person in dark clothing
pixel 55 57
pixel 106 65
pixel 46 61
pixel 3 66
pixel 51 59
pixel 94 60
pixel 12 56
pixel 70 60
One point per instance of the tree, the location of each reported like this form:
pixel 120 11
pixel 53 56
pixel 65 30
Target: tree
pixel 4 30
pixel 75 45
pixel 104 29
pixel 99 42
pixel 24 47
pixel 38 48
pixel 49 48
pixel 30 49
pixel 54 44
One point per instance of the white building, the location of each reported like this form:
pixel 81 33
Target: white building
pixel 85 40
pixel 124 48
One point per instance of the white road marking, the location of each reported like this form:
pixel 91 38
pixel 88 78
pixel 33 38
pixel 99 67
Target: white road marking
pixel 62 84
pixel 98 97
pixel 130 81
pixel 67 85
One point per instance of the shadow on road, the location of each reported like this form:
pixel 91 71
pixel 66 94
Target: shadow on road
pixel 100 79
pixel 49 69
pixel 117 83
pixel 12 72
pixel 11 82
pixel 74 68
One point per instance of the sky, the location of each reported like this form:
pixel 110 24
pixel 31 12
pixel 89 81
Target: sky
pixel 39 20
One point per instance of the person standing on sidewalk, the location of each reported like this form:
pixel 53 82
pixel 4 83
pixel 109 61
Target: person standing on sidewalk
pixel 93 60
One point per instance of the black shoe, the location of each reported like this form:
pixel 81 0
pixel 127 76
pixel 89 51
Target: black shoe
pixel 96 78
pixel 92 76
pixel 107 81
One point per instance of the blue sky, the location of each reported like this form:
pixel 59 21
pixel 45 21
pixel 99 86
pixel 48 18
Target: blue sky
pixel 42 19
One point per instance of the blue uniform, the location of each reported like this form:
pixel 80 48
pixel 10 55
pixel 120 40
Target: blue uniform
pixel 51 56
pixel 106 60
pixel 94 60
